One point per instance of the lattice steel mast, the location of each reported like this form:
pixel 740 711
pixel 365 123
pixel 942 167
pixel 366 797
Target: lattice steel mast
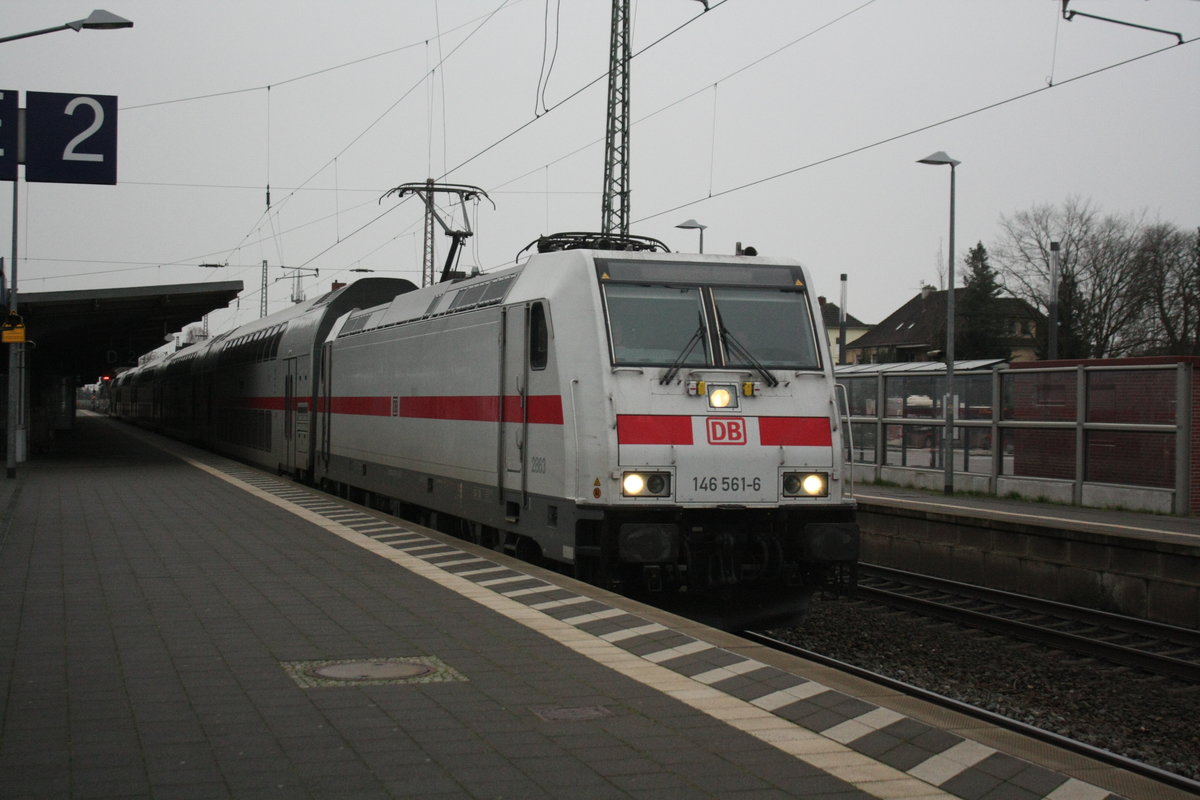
pixel 615 209
pixel 427 268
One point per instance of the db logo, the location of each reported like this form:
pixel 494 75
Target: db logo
pixel 726 430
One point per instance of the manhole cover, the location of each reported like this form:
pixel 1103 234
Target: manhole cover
pixel 372 671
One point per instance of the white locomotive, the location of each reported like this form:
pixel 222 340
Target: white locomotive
pixel 643 419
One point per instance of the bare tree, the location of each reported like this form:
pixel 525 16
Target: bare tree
pixel 1097 274
pixel 1168 262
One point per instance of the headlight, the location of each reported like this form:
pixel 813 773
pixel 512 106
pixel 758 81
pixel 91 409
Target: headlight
pixel 805 484
pixel 646 484
pixel 722 396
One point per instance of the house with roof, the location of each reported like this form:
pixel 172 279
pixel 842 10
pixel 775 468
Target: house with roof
pixel 917 330
pixel 831 318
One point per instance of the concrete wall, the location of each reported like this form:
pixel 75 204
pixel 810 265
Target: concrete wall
pixel 1125 575
pixel 1095 495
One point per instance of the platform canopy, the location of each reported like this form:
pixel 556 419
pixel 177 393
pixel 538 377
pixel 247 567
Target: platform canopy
pixel 91 332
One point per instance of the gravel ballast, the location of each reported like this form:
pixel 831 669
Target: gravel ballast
pixel 1147 718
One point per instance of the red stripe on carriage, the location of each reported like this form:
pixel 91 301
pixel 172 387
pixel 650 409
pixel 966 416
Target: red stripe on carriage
pixel 449 407
pixel 543 409
pixel 795 431
pixel 653 429
pixel 370 406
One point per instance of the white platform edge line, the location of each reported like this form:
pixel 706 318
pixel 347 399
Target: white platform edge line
pixel 834 758
pixel 824 754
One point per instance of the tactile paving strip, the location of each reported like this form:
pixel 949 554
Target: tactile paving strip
pixel 958 766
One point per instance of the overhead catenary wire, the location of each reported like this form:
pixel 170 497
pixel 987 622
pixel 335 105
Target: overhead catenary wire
pixel 712 141
pixel 505 137
pixel 427 76
pixel 1054 49
pixel 758 181
pixel 920 129
pixel 483 20
pixel 699 91
pixel 190 260
pixel 569 97
pixel 441 81
pixel 544 72
pixel 268 148
pixel 574 94
pixel 307 75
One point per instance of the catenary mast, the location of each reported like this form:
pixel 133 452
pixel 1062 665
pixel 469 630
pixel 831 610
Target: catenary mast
pixel 615 209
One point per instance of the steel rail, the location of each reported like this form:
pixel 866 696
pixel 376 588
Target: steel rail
pixel 1137 657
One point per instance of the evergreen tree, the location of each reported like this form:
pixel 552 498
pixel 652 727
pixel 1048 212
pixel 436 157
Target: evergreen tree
pixel 1071 320
pixel 979 325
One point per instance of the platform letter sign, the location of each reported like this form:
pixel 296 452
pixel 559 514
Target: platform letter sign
pixel 70 138
pixel 8 135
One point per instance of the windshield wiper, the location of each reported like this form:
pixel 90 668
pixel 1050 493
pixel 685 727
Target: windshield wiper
pixel 739 349
pixel 673 370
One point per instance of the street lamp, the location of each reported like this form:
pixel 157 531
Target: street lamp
pixel 941 159
pixel 692 225
pixel 15 425
pixel 98 20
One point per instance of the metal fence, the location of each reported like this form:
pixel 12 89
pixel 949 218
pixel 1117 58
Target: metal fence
pixel 1096 434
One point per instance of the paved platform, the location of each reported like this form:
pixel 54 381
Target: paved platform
pixel 1160 527
pixel 174 624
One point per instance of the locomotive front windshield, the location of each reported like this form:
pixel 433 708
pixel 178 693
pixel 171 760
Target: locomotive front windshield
pixel 704 315
pixel 769 326
pixel 656 325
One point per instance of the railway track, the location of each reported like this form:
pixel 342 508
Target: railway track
pixel 1160 649
pixel 999 720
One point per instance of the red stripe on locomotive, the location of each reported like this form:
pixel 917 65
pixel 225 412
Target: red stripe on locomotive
pixel 677 430
pixel 795 431
pixel 654 429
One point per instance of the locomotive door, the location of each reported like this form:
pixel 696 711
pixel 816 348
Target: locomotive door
pixel 523 375
pixel 511 404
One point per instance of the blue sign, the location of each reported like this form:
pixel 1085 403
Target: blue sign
pixel 71 138
pixel 8 135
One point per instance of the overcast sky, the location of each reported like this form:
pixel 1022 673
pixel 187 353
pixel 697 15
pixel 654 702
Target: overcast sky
pixel 791 126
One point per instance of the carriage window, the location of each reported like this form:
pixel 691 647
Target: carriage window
pixel 769 326
pixel 656 325
pixel 539 338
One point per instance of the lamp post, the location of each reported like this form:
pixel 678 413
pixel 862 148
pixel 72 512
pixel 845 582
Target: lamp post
pixel 941 159
pixel 15 427
pixel 1052 338
pixel 98 20
pixel 692 225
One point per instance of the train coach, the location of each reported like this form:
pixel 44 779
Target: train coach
pixel 247 392
pixel 644 420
